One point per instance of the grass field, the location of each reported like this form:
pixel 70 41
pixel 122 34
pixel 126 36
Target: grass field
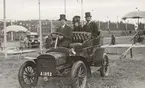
pixel 125 73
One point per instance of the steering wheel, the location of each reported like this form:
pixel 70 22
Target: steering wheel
pixel 57 34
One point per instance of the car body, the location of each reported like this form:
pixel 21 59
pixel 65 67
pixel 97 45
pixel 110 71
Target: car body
pixel 74 62
pixel 33 39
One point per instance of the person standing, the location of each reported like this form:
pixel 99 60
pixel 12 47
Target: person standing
pixel 65 30
pixel 26 41
pixel 113 39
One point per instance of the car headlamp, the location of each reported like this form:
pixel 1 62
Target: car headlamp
pixel 72 52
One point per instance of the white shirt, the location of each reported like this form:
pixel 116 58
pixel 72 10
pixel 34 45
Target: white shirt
pixel 63 26
pixel 89 22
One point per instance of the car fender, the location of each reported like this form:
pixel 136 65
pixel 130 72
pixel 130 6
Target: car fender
pixel 30 58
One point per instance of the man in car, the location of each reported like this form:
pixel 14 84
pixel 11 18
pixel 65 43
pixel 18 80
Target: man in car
pixel 91 27
pixel 66 31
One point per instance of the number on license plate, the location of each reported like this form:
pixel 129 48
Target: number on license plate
pixel 46 73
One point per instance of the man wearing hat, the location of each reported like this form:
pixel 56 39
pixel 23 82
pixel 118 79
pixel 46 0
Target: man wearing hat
pixel 91 27
pixel 76 23
pixel 66 30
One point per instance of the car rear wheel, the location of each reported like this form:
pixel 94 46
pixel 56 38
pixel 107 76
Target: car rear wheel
pixel 27 75
pixel 105 67
pixel 79 74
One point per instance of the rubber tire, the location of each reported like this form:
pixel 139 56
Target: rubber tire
pixel 20 75
pixel 104 71
pixel 74 68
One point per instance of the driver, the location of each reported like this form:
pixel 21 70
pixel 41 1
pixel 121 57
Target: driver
pixel 66 31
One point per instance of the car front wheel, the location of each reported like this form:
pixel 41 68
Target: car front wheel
pixel 79 74
pixel 27 75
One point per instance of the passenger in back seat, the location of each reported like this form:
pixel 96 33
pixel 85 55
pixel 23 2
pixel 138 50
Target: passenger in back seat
pixel 91 27
pixel 76 23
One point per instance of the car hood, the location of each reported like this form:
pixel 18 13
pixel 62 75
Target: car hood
pixel 57 54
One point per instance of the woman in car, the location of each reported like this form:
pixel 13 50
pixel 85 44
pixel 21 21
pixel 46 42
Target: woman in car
pixel 76 23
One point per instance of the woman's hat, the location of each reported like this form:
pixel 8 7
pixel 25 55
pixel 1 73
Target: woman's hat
pixel 62 16
pixel 76 18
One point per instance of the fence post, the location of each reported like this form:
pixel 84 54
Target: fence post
pixel 131 55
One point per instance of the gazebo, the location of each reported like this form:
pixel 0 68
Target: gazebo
pixel 15 31
pixel 15 34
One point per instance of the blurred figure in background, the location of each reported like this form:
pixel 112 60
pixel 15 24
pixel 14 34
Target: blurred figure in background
pixel 136 27
pixel 113 39
pixel 26 42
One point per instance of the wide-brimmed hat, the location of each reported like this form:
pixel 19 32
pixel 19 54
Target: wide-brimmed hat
pixel 88 14
pixel 76 18
pixel 62 16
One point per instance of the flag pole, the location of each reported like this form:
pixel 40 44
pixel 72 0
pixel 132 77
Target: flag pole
pixel 126 27
pixel 82 11
pixel 65 7
pixel 40 30
pixel 51 26
pixel 117 23
pixel 5 33
pixel 108 23
pixel 138 18
pixel 99 25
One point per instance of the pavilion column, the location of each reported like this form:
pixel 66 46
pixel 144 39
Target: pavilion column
pixel 12 36
pixel 126 27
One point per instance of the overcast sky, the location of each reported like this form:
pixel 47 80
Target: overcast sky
pixel 51 9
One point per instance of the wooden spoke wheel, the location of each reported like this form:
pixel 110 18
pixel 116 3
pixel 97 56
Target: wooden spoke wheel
pixel 27 75
pixel 79 74
pixel 105 67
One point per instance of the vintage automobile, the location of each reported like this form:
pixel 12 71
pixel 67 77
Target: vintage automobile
pixel 74 62
pixel 33 39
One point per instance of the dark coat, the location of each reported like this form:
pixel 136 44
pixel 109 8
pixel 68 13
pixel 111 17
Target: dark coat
pixel 92 28
pixel 78 28
pixel 67 31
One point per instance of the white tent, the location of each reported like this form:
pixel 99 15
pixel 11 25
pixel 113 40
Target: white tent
pixel 15 28
pixel 134 14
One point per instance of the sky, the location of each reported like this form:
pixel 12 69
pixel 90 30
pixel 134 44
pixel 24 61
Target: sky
pixel 51 9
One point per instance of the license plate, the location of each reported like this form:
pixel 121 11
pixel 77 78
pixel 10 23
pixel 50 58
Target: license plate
pixel 46 73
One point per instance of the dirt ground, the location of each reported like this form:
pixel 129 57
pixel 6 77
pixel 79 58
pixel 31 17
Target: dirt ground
pixel 125 73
